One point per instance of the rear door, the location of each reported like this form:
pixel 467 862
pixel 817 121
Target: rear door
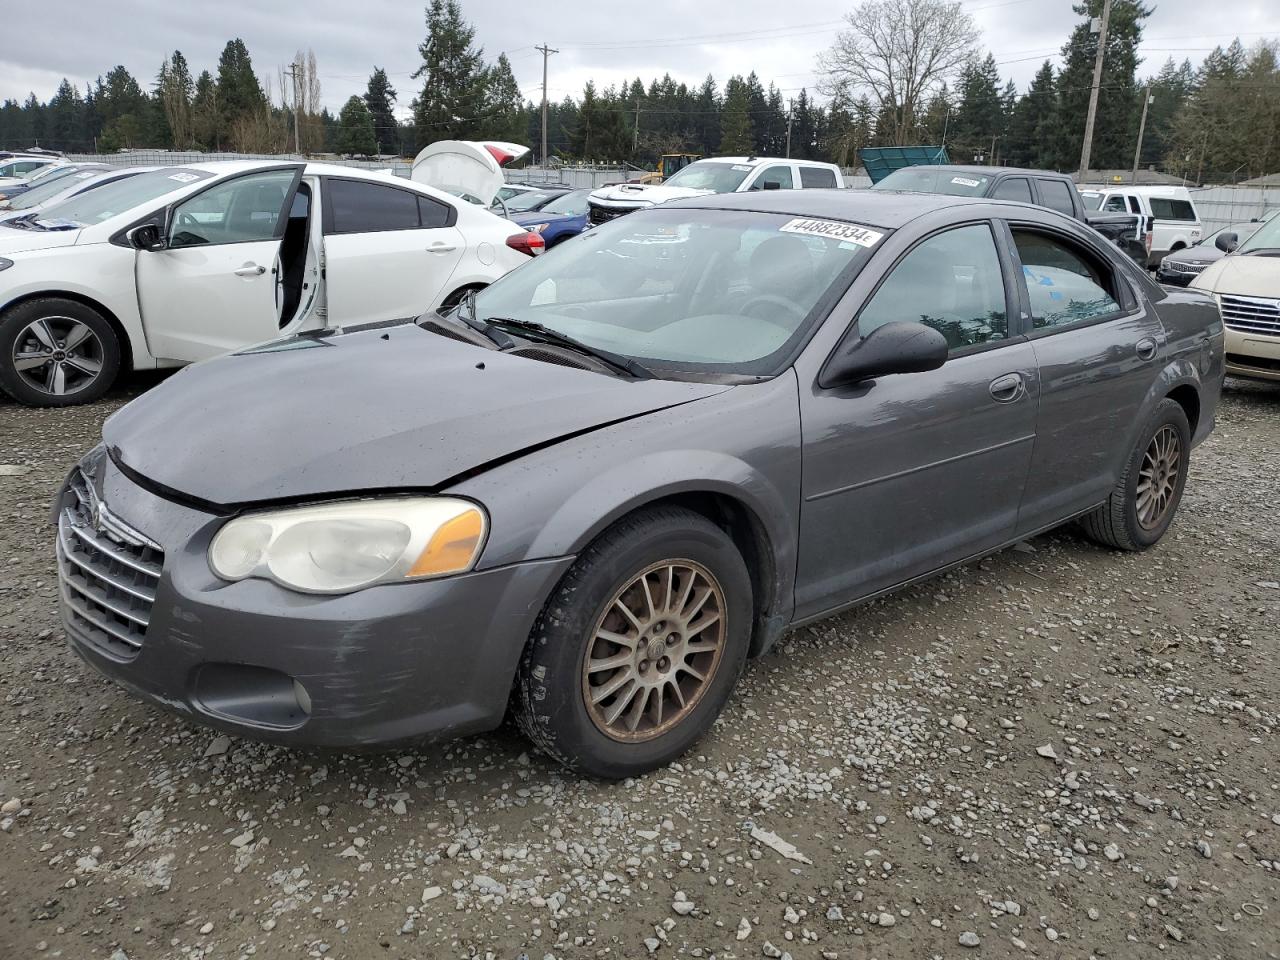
pixel 904 474
pixel 388 251
pixel 1097 343
pixel 214 288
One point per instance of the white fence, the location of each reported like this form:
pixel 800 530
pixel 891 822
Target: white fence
pixel 1219 206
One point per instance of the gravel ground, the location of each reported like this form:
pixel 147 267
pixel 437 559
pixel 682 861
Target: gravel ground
pixel 1060 751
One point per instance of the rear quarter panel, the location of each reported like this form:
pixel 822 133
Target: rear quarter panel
pixel 1194 352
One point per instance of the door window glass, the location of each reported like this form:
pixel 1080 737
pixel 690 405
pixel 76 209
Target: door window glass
pixel 362 207
pixel 1134 205
pixel 1114 205
pixel 951 282
pixel 433 213
pixel 1057 196
pixel 234 211
pixel 1015 188
pixel 776 174
pixel 819 177
pixel 1066 286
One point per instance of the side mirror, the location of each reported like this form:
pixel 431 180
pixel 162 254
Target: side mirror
pixel 1226 242
pixel 901 346
pixel 772 185
pixel 146 237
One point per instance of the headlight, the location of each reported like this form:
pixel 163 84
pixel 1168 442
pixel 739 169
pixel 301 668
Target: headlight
pixel 5 264
pixel 342 547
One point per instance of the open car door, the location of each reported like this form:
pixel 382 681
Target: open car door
pixel 213 288
pixel 470 169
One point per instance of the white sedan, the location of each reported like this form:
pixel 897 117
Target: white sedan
pixel 183 263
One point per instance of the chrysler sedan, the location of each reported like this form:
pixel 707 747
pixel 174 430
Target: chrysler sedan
pixel 595 489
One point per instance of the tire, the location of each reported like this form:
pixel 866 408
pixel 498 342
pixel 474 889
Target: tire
pixel 553 685
pixel 97 350
pixel 1119 522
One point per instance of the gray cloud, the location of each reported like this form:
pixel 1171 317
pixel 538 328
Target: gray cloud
pixel 82 39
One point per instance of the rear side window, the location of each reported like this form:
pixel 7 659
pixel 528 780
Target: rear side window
pixel 819 177
pixel 1066 285
pixel 432 213
pixel 1056 195
pixel 360 207
pixel 1015 188
pixel 1164 208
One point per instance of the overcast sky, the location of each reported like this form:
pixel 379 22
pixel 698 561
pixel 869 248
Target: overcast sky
pixel 82 39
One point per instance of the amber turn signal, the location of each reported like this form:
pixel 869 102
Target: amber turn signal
pixel 453 547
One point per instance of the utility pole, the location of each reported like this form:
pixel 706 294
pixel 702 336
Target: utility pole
pixel 292 74
pixel 546 52
pixel 635 135
pixel 1142 128
pixel 791 111
pixel 1087 147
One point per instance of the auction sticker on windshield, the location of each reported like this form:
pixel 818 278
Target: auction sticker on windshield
pixel 833 229
pixel 966 182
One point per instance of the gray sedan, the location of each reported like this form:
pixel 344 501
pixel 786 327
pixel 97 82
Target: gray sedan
pixel 599 486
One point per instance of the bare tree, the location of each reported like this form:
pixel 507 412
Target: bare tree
pixel 898 52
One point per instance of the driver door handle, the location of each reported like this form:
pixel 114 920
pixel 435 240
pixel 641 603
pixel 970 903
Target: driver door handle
pixel 1006 389
pixel 1146 348
pixel 251 270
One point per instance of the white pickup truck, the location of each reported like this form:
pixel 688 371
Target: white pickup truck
pixel 1171 215
pixel 713 175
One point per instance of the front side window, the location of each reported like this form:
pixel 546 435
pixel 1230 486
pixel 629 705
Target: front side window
pixel 1066 286
pixel 817 178
pixel 1057 196
pixel 358 206
pixel 1014 188
pixel 952 282
pixel 1114 205
pixel 694 291
pixel 242 210
pixel 710 175
pixel 779 174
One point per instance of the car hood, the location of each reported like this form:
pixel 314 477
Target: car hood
pixel 529 219
pixel 639 193
pixel 389 407
pixel 1196 255
pixel 15 240
pixel 1242 276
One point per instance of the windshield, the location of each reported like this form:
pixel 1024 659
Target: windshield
pixel 935 180
pixel 716 177
pixel 574 204
pixel 54 171
pixel 113 199
pixel 530 200
pixel 693 291
pixel 1267 237
pixel 50 187
pixel 1242 231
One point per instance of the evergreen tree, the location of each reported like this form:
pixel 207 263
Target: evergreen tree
pixel 65 118
pixel 356 134
pixel 379 96
pixel 240 97
pixel 584 143
pixel 707 117
pixel 1031 141
pixel 979 113
pixel 452 72
pixel 124 110
pixel 206 113
pixel 175 90
pixel 503 112
pixel 735 119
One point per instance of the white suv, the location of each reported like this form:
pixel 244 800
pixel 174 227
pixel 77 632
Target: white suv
pixel 718 175
pixel 182 263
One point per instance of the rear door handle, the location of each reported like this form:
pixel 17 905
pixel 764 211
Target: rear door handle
pixel 251 270
pixel 441 248
pixel 1006 389
pixel 1146 348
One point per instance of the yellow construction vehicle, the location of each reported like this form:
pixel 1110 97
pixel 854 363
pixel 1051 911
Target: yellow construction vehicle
pixel 669 164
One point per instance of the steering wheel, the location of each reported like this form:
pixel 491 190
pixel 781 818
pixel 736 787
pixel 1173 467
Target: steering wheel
pixel 767 300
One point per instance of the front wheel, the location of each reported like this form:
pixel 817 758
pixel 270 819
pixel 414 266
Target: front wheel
pixel 56 352
pixel 1145 498
pixel 636 652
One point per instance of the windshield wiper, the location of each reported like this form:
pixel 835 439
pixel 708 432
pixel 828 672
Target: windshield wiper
pixel 627 365
pixel 465 313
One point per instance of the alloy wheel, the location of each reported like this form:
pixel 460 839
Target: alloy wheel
pixel 1158 477
pixel 654 651
pixel 57 355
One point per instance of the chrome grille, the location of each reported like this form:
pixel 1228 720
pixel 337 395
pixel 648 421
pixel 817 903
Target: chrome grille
pixel 597 214
pixel 108 572
pixel 1252 315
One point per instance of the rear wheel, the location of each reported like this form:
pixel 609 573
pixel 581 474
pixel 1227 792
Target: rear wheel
pixel 1142 505
pixel 56 352
pixel 637 651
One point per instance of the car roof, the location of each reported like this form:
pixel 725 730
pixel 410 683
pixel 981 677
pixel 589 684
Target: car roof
pixel 889 208
pixel 985 171
pixel 759 161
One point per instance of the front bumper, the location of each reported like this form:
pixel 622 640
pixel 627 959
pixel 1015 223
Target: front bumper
pixel 1253 356
pixel 387 664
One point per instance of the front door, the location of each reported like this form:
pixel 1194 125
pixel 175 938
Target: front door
pixel 388 251
pixel 214 288
pixel 908 473
pixel 1095 343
